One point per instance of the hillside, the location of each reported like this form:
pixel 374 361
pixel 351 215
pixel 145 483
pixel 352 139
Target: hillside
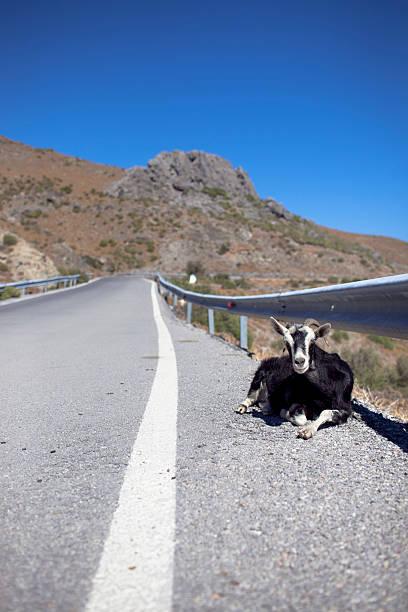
pixel 182 207
pixel 61 213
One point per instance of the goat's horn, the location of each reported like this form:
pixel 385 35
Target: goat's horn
pixel 310 322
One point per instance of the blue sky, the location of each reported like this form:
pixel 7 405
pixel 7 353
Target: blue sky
pixel 311 98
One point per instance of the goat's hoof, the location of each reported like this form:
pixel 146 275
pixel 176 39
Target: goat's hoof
pixel 306 432
pixel 241 409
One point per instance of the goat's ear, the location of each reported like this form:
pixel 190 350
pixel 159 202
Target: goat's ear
pixel 323 330
pixel 280 329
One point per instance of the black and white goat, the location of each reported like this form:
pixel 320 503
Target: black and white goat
pixel 309 386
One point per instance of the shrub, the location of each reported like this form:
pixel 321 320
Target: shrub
pixel 213 192
pixel 224 248
pixel 195 267
pixel 223 322
pixel 32 214
pixel 225 281
pixel 226 205
pixel 92 261
pixel 83 278
pixel 399 375
pixel 9 240
pixel 150 246
pixel 242 283
pixel 402 369
pixel 9 292
pixel 103 243
pixel 3 267
pixel 367 367
pixel 386 342
pixel 339 336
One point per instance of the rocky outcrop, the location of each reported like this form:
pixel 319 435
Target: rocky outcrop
pixel 195 179
pixel 274 207
pixel 23 261
pixel 173 176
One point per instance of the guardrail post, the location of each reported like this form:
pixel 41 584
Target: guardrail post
pixel 244 332
pixel 23 290
pixel 43 288
pixel 175 300
pixel 189 309
pixel 211 321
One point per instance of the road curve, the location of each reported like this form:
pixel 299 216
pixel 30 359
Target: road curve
pixel 263 520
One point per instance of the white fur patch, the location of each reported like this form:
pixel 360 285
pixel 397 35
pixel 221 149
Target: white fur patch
pixel 299 419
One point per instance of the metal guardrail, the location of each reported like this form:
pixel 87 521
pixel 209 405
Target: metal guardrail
pixel 25 284
pixel 376 306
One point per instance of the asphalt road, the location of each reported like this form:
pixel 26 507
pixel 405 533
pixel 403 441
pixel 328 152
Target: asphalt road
pixel 263 521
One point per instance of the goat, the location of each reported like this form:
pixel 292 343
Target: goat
pixel 308 387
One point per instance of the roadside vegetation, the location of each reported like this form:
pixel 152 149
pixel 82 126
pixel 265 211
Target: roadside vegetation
pixel 225 324
pixel 9 292
pixel 380 364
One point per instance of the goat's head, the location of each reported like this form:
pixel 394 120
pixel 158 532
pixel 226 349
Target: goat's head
pixel 300 339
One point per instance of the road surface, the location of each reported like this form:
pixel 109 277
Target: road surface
pixel 129 483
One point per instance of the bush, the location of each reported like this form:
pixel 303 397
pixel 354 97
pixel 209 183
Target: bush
pixel 92 261
pixel 223 322
pixel 10 292
pixel 367 368
pixel 83 278
pixel 399 374
pixel 3 267
pixel 242 283
pixel 103 243
pixel 225 281
pixel 224 248
pixel 195 267
pixel 339 336
pixel 213 192
pixel 32 214
pixel 9 240
pixel 386 342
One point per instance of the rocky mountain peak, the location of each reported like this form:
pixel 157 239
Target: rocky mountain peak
pixel 171 176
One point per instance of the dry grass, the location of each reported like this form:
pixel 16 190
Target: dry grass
pixel 389 401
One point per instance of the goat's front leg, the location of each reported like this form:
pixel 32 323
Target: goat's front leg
pixel 255 396
pixel 326 416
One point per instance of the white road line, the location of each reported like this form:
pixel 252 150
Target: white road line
pixel 135 573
